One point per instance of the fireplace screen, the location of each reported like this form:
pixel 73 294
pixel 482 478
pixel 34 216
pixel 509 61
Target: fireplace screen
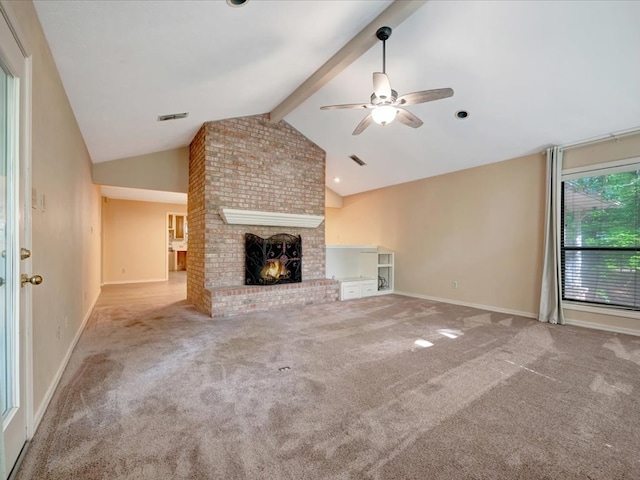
pixel 273 260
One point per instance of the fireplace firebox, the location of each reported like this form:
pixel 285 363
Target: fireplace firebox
pixel 273 260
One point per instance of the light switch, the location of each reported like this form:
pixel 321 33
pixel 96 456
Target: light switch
pixel 34 198
pixel 42 203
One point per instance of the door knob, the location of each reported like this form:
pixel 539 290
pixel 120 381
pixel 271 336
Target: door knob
pixel 35 280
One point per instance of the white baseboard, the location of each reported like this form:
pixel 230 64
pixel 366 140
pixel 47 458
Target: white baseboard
pixel 122 282
pixel 599 326
pixel 37 418
pixel 467 304
pixel 576 323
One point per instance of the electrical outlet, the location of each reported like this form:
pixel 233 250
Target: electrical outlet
pixel 454 284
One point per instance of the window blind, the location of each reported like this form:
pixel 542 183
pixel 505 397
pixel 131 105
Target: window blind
pixel 600 250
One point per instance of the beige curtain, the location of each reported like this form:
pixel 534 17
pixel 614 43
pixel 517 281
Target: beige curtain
pixel 551 290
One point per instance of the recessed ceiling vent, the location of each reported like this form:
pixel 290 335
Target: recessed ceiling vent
pixel 236 3
pixel 357 159
pixel 172 116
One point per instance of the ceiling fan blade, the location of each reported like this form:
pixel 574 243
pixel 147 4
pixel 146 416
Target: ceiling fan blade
pixel 346 105
pixel 366 121
pixel 424 96
pixel 381 86
pixel 408 118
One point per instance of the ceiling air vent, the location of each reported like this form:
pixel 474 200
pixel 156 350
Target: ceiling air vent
pixel 356 159
pixel 172 116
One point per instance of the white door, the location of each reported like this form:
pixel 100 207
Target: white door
pixel 13 221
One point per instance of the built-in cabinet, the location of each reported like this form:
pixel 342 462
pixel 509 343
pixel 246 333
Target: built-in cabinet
pixel 362 270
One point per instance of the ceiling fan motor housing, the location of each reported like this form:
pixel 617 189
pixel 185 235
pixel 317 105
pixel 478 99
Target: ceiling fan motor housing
pixel 384 101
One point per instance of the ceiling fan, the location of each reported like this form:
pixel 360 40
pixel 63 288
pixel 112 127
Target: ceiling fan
pixel 385 104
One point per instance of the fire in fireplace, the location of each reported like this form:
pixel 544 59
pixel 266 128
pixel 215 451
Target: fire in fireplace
pixel 273 260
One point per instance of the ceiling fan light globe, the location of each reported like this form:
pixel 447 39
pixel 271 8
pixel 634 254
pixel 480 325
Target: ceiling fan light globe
pixel 384 114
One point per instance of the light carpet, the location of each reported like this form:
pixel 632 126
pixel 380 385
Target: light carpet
pixel 387 387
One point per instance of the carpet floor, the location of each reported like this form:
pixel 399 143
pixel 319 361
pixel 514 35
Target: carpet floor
pixel 386 387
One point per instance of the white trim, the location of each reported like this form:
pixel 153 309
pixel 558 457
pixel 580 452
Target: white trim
pixel 567 321
pixel 28 240
pixel 599 326
pixel 602 138
pixel 273 219
pixel 617 166
pixel 124 282
pixel 468 304
pixel 37 417
pixel 16 29
pixel 362 247
pixel 603 310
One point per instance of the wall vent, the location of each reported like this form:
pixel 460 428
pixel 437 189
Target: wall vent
pixel 357 159
pixel 172 116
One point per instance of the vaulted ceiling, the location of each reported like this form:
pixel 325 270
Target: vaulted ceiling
pixel 530 74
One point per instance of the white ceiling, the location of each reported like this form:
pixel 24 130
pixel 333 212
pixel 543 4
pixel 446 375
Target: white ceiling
pixel 531 74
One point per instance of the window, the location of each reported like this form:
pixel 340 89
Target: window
pixel 600 248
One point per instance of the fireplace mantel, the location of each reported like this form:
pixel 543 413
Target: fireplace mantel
pixel 272 219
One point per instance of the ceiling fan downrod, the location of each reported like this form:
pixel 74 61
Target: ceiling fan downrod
pixel 383 33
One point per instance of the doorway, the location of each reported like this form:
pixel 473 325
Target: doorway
pixel 177 243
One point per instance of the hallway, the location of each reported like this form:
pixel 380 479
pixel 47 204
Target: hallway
pixel 157 293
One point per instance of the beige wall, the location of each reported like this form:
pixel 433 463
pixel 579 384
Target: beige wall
pixel 135 240
pixel 481 227
pixel 332 199
pixel 610 151
pixel 166 171
pixel 66 236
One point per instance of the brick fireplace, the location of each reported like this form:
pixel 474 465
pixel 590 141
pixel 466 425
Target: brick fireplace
pixel 248 163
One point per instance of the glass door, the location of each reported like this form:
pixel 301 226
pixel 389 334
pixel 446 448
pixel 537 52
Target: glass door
pixel 12 325
pixel 7 356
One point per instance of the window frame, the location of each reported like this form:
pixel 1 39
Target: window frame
pixel 597 169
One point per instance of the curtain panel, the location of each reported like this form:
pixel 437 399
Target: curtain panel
pixel 551 289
